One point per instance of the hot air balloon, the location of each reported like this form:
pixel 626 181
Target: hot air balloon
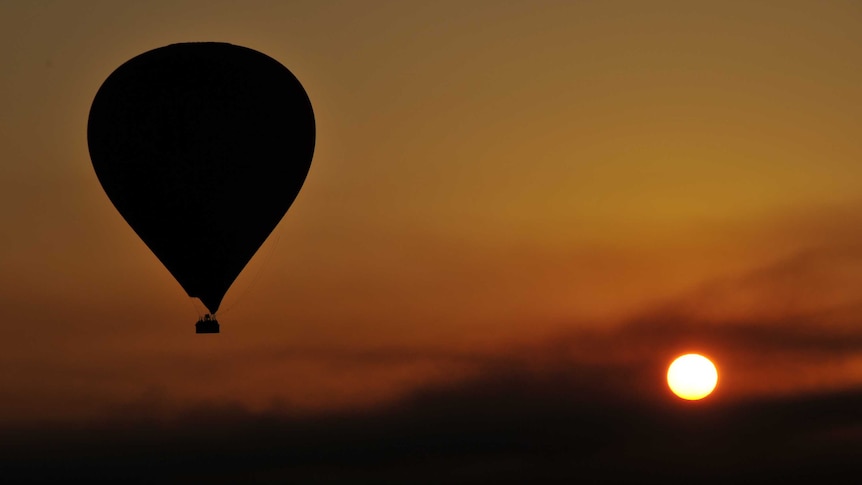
pixel 202 148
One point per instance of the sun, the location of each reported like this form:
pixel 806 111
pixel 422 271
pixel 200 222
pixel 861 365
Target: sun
pixel 692 377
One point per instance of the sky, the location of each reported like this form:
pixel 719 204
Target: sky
pixel 517 215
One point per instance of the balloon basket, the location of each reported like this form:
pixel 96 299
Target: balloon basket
pixel 207 325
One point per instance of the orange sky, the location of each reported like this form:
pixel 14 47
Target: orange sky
pixel 492 181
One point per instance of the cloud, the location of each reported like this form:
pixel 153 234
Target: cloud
pixel 510 425
pixel 586 406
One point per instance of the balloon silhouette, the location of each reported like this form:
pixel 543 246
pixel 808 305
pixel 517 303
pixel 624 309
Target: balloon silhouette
pixel 202 148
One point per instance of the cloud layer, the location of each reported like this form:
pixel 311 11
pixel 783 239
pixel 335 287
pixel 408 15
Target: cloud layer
pixel 588 406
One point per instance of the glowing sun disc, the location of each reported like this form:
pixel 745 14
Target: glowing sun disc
pixel 692 377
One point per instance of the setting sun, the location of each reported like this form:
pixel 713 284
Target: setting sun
pixel 692 377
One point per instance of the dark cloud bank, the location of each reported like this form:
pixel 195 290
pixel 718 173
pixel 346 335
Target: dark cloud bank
pixel 586 408
pixel 506 428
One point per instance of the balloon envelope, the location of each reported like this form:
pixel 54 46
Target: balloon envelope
pixel 202 148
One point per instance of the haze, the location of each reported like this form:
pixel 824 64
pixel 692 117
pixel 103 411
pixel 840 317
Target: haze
pixel 526 189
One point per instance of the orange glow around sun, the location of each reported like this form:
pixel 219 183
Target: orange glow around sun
pixel 692 377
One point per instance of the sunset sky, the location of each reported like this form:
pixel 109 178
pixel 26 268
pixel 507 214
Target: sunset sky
pixel 517 212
